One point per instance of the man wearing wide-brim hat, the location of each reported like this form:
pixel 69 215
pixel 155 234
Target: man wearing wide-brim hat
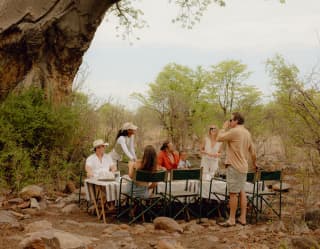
pixel 99 164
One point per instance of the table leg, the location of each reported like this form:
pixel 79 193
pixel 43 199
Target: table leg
pixel 92 194
pixel 102 202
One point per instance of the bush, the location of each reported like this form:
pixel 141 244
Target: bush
pixel 41 142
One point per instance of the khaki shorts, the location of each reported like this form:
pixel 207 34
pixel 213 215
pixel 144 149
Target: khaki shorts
pixel 235 180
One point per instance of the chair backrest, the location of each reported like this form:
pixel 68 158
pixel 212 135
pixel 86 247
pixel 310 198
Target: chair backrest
pixel 186 174
pixel 270 175
pixel 150 176
pixel 251 177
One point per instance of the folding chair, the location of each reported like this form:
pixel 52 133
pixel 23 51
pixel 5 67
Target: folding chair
pixel 251 196
pixel 146 205
pixel 186 196
pixel 222 198
pixel 267 196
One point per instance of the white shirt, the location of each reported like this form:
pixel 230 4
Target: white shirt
pixel 99 168
pixel 127 147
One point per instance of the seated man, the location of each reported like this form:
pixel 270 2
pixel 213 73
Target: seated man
pixel 183 162
pixel 99 164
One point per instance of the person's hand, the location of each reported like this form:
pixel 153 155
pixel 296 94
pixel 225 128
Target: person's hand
pixel 255 167
pixel 226 124
pixel 113 168
pixel 216 155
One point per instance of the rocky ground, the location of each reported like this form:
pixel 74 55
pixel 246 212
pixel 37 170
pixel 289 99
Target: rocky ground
pixel 36 219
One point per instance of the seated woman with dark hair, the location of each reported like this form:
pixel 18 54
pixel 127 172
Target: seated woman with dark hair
pixel 148 163
pixel 168 157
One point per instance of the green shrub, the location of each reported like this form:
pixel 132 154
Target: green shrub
pixel 41 142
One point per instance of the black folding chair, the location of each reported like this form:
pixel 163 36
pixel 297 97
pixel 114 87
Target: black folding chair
pixel 268 196
pixel 222 198
pixel 154 205
pixel 251 195
pixel 187 197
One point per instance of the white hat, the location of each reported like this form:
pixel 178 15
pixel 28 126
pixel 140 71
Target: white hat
pixel 129 126
pixel 98 142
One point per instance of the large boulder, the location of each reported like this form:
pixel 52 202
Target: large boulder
pixel 7 220
pixel 313 218
pixel 31 191
pixel 38 226
pixel 165 244
pixel 55 239
pixel 167 224
pixel 70 209
pixel 41 240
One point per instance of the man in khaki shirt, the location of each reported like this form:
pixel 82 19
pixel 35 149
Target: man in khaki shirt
pixel 239 148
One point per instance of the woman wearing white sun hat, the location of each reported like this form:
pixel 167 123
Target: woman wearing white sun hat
pixel 124 143
pixel 99 164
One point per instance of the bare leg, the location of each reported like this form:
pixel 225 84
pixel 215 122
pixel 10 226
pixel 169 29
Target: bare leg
pixel 233 202
pixel 243 205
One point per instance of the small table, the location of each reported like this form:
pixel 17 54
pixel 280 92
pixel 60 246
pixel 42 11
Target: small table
pixel 100 193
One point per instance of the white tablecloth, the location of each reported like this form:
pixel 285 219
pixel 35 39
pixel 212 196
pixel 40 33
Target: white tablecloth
pixel 112 188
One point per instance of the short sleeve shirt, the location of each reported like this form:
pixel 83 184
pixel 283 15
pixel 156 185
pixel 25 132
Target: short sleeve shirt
pixel 99 168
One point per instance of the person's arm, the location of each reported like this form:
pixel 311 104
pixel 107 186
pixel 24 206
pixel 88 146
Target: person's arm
pixel 89 171
pixel 220 147
pixel 253 156
pixel 224 134
pixel 131 148
pixel 132 167
pixel 122 142
pixel 88 167
pixel 202 147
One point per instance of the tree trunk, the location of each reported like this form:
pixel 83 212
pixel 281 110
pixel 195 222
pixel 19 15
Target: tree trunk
pixel 42 42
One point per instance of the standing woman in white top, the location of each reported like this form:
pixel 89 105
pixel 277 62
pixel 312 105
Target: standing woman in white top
pixel 210 151
pixel 125 143
pixel 99 164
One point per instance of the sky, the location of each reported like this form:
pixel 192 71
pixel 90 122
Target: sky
pixel 250 31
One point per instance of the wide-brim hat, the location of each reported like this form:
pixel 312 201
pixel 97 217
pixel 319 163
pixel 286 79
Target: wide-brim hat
pixel 129 126
pixel 99 142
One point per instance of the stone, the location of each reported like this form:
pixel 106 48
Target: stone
pixel 312 218
pixel 56 239
pixel 277 226
pixel 285 187
pixel 31 191
pixel 304 243
pixel 15 201
pixel 43 204
pixel 138 229
pixel 121 234
pixel 165 244
pixel 34 203
pixel 72 198
pixel 70 209
pixel 29 211
pixel 40 240
pixel 124 226
pixel 24 204
pixel 212 239
pixel 301 228
pixel 7 220
pixel 193 228
pixel 70 188
pixel 167 224
pixel 38 226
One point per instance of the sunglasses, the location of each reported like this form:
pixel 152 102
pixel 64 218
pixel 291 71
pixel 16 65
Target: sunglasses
pixel 212 129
